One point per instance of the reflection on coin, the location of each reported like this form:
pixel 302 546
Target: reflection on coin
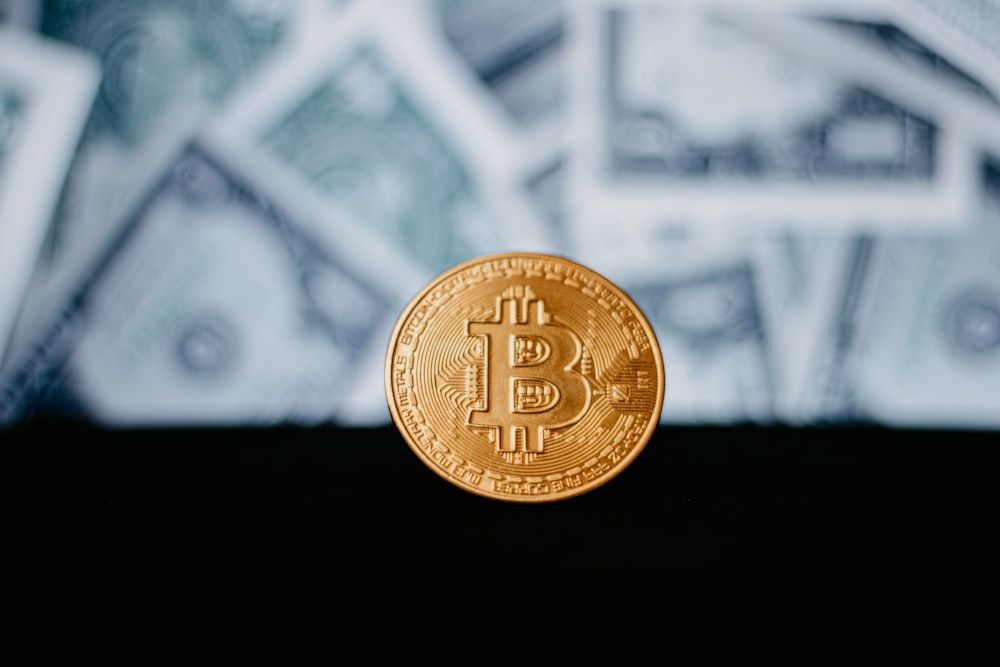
pixel 524 377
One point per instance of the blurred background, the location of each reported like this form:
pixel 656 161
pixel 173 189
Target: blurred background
pixel 213 211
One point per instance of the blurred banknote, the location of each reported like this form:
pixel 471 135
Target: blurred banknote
pixel 46 92
pixel 694 123
pixel 705 302
pixel 914 339
pixel 798 277
pixel 368 122
pixel 231 200
pixel 515 48
pixel 708 312
pixel 216 304
pixel 165 65
pixel 896 47
pixel 515 53
pixel 961 32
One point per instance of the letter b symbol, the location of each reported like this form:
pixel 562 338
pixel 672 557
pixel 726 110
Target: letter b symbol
pixel 531 385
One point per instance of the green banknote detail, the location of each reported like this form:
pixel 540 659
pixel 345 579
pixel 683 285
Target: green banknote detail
pixel 155 54
pixel 361 142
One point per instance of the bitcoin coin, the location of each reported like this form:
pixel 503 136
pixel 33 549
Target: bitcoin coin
pixel 524 377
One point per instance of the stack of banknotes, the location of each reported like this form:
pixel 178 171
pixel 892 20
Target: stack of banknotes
pixel 213 211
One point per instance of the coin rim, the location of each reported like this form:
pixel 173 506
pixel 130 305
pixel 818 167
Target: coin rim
pixel 591 485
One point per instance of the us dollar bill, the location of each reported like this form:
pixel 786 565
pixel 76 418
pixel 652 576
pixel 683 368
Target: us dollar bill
pixel 216 304
pixel 165 67
pixel 369 121
pixel 914 339
pixel 46 92
pixel 686 121
pixel 881 47
pixel 792 214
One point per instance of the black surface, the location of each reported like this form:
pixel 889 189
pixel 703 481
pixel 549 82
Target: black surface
pixel 801 546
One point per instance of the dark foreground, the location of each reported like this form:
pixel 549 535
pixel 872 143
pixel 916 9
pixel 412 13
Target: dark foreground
pixel 796 546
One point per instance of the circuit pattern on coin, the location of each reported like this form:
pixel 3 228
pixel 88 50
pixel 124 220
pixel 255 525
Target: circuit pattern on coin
pixel 524 377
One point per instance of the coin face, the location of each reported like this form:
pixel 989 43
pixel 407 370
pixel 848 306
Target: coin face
pixel 524 377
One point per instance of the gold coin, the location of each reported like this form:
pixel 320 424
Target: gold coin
pixel 524 377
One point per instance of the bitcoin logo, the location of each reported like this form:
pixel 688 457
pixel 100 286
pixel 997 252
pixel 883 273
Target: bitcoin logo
pixel 521 406
pixel 524 377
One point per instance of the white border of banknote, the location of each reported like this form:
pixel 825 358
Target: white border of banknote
pixel 58 84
